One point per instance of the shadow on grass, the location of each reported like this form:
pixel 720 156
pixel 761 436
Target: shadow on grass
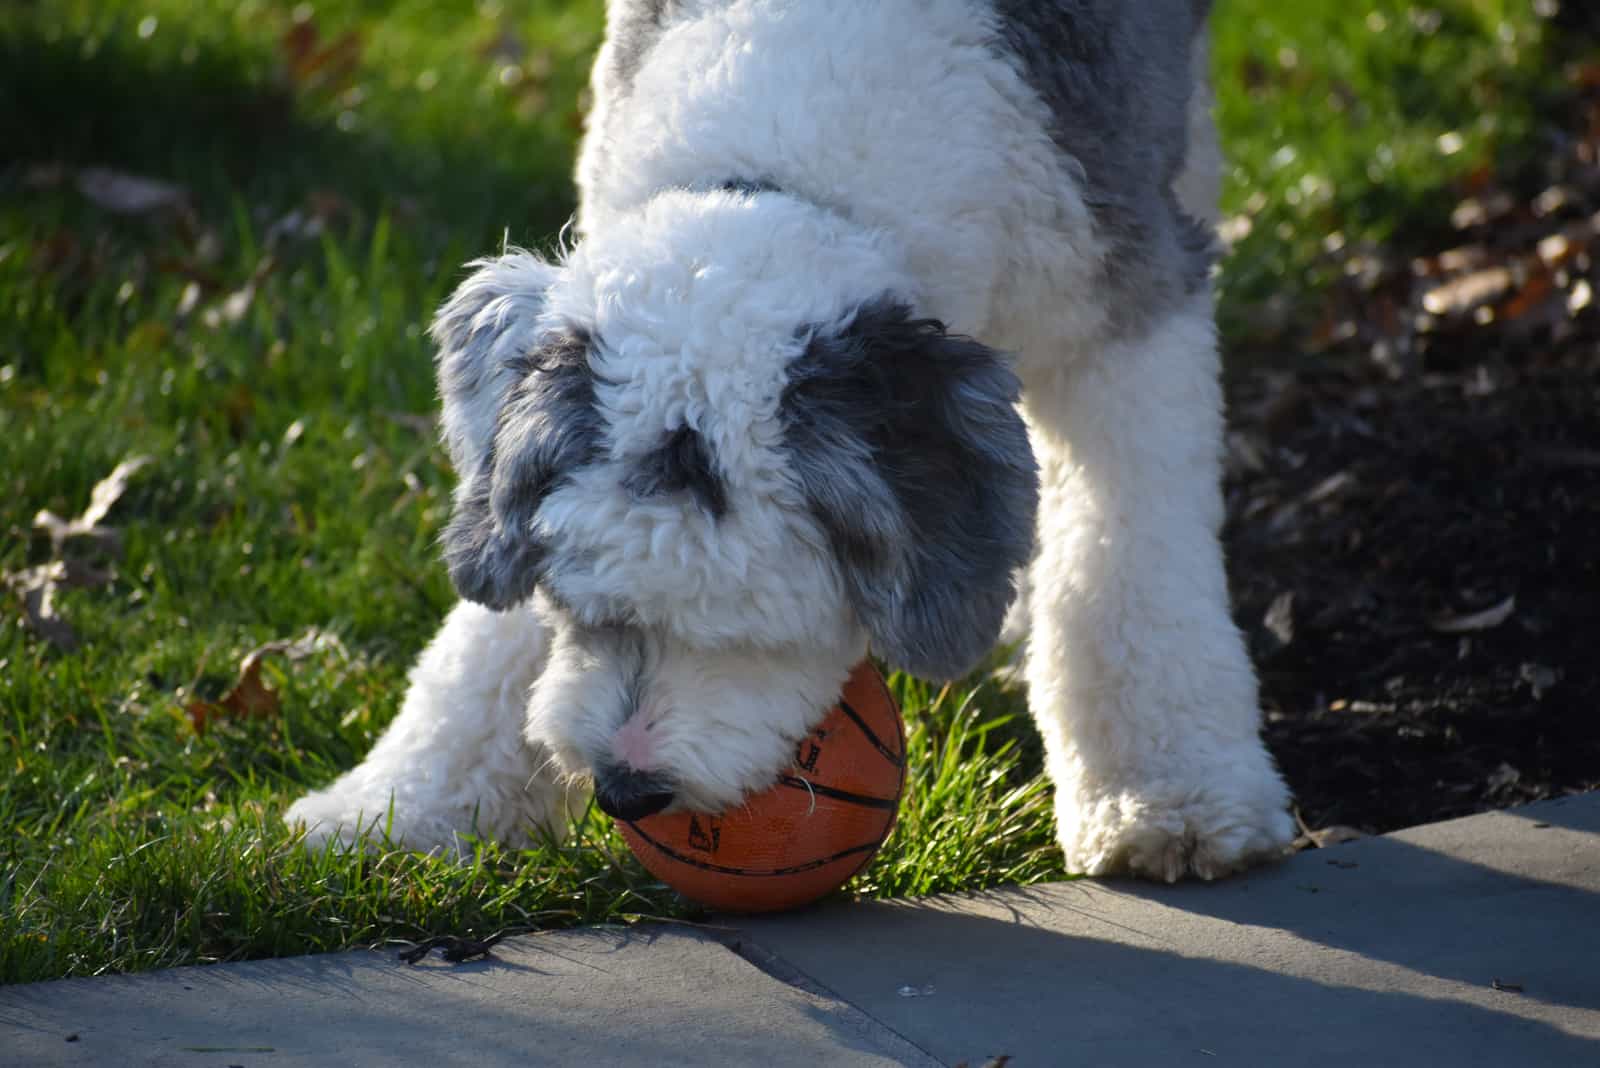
pixel 226 123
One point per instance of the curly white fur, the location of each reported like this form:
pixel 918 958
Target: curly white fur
pixel 913 161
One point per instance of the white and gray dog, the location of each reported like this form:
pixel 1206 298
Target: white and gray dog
pixel 883 325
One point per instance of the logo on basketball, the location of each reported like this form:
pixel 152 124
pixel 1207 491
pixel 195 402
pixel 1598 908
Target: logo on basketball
pixel 807 751
pixel 700 839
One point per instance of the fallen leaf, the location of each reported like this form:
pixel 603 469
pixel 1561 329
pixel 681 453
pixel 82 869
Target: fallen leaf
pixel 313 65
pixel 129 194
pixel 1328 836
pixel 1323 837
pixel 88 525
pixel 110 489
pixel 1451 261
pixel 1478 210
pixel 1581 296
pixel 1486 619
pixel 1462 294
pixel 36 586
pixel 1534 291
pixel 1330 487
pixel 236 305
pixel 250 695
pixel 1279 618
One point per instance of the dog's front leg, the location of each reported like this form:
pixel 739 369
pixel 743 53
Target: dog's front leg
pixel 454 761
pixel 1137 677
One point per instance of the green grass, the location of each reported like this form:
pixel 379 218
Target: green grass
pixel 295 484
pixel 1349 124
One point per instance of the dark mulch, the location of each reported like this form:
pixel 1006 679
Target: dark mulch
pixel 1414 513
pixel 1418 570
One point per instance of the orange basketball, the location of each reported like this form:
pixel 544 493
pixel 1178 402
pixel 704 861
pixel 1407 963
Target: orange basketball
pixel 796 841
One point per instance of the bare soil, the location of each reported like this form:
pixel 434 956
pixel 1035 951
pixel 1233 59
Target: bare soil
pixel 1414 508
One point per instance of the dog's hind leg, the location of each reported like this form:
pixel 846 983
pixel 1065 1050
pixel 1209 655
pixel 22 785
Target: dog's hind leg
pixel 454 761
pixel 1138 679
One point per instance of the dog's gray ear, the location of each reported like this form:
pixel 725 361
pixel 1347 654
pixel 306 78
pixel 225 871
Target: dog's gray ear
pixel 519 416
pixel 489 321
pixel 913 457
pixel 546 429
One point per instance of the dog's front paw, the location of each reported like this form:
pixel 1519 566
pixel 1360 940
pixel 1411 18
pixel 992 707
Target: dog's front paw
pixel 436 814
pixel 332 816
pixel 1206 822
pixel 357 812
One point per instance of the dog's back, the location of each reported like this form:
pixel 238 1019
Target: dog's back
pixel 1017 148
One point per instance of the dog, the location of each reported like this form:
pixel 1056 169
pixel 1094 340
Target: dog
pixel 881 326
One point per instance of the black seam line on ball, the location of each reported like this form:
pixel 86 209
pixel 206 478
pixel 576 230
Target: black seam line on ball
pixel 888 804
pixel 888 754
pixel 795 869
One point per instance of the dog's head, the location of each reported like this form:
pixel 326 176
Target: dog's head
pixel 718 450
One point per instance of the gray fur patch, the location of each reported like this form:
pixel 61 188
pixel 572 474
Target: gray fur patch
pixel 632 29
pixel 1117 79
pixel 907 443
pixel 492 315
pixel 682 464
pixel 547 429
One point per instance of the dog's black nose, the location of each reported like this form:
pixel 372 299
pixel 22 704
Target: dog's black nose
pixel 626 794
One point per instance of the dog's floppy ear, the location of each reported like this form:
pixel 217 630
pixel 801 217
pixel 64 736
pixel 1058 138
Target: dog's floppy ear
pixel 491 319
pixel 519 415
pixel 911 453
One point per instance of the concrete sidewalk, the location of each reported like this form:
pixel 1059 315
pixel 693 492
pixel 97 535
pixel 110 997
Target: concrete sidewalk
pixel 1470 942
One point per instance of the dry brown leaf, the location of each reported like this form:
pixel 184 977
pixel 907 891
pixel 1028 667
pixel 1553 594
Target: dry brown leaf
pixel 250 695
pixel 1586 76
pixel 312 64
pixel 1538 288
